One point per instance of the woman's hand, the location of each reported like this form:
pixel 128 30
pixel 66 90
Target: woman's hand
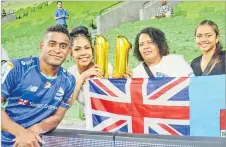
pixel 94 71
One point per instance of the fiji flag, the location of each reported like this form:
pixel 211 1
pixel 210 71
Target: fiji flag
pixel 207 99
pixel 146 106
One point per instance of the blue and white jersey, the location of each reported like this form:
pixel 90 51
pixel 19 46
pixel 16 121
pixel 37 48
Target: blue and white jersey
pixel 31 95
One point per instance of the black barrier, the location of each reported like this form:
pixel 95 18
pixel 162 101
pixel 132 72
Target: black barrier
pixel 81 138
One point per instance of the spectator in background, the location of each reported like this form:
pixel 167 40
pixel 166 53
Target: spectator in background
pixel 212 60
pixel 38 91
pixel 4 57
pixel 61 14
pixel 164 10
pixel 152 49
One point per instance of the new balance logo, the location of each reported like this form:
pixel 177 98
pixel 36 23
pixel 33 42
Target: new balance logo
pixel 32 88
pixel 22 102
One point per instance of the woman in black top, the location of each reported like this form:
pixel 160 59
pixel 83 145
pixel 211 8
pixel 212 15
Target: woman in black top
pixel 212 60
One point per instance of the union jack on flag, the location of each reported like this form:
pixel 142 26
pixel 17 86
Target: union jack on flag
pixel 138 105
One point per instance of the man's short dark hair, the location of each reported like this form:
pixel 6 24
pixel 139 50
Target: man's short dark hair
pixel 58 28
pixel 157 36
pixel 59 2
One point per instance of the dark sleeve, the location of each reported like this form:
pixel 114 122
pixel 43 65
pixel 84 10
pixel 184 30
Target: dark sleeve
pixel 222 56
pixel 195 65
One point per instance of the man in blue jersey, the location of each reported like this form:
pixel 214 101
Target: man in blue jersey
pixel 61 15
pixel 38 91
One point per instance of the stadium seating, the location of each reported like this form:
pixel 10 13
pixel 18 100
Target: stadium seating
pixel 179 29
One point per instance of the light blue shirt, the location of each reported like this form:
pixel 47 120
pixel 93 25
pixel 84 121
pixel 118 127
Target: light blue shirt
pixel 61 12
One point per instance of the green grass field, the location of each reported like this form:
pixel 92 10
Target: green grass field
pixel 21 38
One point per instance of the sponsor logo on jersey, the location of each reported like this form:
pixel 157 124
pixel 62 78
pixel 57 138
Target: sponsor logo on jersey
pixel 47 85
pixel 26 62
pixel 32 88
pixel 22 102
pixel 59 94
pixel 32 104
pixel 43 106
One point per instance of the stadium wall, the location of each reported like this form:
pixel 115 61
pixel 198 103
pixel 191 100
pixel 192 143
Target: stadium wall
pixel 123 13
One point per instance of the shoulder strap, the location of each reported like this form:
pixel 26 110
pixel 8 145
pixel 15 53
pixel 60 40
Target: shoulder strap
pixel 210 64
pixel 148 71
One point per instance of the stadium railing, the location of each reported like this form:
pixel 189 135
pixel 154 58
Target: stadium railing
pixel 82 138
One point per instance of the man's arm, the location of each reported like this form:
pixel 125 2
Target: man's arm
pixel 8 125
pixel 23 136
pixel 56 16
pixel 52 121
pixel 49 123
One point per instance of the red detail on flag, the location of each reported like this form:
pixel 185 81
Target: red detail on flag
pixel 138 110
pixel 223 119
pixel 161 92
pixel 105 88
pixel 169 129
pixel 113 126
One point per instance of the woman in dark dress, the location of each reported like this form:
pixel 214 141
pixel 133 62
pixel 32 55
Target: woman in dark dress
pixel 212 60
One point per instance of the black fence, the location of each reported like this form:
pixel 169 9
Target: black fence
pixel 81 138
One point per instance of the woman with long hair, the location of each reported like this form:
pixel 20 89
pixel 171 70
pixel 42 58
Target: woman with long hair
pixel 212 60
